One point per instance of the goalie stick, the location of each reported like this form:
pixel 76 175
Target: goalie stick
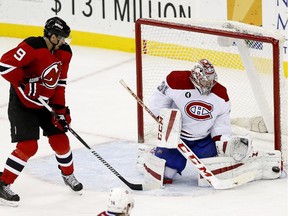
pixel 203 170
pixel 130 185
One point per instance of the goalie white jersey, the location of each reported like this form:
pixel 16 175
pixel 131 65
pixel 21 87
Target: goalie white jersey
pixel 201 114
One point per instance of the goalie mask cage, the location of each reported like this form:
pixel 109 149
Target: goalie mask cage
pixel 248 62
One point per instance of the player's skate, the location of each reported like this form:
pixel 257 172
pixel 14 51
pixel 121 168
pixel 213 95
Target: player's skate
pixel 72 182
pixel 7 196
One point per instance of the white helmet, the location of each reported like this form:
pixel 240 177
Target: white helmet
pixel 120 201
pixel 203 76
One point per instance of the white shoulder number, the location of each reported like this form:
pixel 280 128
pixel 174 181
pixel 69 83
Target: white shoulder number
pixel 20 53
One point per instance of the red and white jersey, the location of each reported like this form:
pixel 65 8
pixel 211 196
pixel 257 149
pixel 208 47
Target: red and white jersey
pixel 201 115
pixel 32 59
pixel 105 213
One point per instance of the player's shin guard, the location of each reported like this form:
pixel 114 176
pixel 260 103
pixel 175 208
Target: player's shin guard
pixel 60 145
pixel 64 158
pixel 65 162
pixel 17 160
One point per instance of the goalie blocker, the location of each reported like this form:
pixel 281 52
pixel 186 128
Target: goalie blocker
pixel 235 155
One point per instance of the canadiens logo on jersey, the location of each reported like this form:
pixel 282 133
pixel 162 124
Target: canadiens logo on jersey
pixel 199 110
pixel 51 74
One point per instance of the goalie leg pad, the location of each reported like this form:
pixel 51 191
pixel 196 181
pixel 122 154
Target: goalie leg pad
pixel 269 164
pixel 153 172
pixel 218 166
pixel 143 149
pixel 170 173
pixel 261 163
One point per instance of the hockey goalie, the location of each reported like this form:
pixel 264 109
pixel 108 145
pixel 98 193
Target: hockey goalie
pixel 193 109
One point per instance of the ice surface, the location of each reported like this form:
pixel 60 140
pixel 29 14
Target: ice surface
pixel 104 115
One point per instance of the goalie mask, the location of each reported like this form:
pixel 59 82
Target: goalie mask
pixel 120 201
pixel 203 76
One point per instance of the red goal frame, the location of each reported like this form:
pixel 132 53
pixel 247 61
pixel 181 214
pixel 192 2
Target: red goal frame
pixel 276 66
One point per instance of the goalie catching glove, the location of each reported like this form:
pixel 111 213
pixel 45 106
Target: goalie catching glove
pixel 63 118
pixel 238 147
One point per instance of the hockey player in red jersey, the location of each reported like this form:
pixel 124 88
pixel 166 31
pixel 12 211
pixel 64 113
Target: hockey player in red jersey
pixel 204 106
pixel 38 67
pixel 120 203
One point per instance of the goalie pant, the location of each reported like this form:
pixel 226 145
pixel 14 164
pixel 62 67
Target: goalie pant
pixel 265 165
pixel 169 129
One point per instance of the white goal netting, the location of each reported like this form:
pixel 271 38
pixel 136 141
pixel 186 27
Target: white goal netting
pixel 247 59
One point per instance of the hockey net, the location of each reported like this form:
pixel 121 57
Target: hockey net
pixel 247 59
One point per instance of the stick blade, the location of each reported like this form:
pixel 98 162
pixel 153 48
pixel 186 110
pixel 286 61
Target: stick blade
pixel 234 182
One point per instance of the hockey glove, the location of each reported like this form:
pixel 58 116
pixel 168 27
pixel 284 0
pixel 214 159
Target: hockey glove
pixel 63 119
pixel 238 147
pixel 32 90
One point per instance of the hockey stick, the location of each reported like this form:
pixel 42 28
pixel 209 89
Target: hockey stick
pixel 130 185
pixel 191 156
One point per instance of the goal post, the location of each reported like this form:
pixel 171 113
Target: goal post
pixel 247 59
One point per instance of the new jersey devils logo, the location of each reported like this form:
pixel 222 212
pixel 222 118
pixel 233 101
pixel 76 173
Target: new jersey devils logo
pixel 199 110
pixel 51 75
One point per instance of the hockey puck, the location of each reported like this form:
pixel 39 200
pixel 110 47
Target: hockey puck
pixel 276 169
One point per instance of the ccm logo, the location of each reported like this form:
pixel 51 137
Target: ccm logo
pixel 199 110
pixel 160 128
